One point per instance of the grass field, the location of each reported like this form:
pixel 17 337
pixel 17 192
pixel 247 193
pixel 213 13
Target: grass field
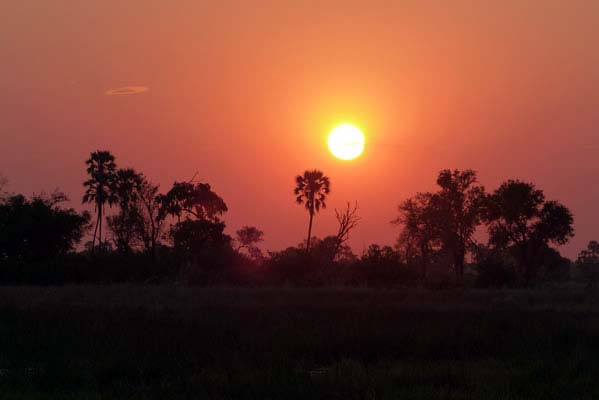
pixel 175 342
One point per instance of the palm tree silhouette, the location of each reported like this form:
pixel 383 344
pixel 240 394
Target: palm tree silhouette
pixel 100 187
pixel 311 190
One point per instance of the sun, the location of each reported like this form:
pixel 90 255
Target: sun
pixel 346 142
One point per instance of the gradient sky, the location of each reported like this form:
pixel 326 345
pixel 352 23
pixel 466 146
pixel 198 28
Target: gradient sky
pixel 245 92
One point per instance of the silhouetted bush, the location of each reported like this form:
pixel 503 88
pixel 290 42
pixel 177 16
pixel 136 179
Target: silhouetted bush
pixel 496 269
pixel 381 267
pixel 202 250
pixel 37 237
pixel 555 268
pixel 588 263
pixel 292 266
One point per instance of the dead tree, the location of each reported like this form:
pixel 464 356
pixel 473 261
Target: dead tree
pixel 348 219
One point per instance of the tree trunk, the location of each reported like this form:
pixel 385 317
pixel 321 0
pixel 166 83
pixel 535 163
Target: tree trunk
pixel 95 233
pixel 309 231
pixel 152 236
pixel 153 247
pixel 459 255
pixel 424 272
pixel 424 262
pixel 459 267
pixel 100 229
pixel 530 261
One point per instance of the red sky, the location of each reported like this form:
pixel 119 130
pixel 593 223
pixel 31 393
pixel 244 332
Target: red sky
pixel 245 92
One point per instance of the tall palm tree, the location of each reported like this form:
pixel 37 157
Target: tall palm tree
pixel 311 190
pixel 100 187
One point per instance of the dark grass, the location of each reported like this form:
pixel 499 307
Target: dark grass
pixel 173 342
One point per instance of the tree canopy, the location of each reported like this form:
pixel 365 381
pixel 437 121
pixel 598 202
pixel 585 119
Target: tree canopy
pixel 38 228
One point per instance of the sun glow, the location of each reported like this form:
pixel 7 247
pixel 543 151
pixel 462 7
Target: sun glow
pixel 346 142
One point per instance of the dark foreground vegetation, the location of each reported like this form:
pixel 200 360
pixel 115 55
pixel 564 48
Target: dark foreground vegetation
pixel 138 342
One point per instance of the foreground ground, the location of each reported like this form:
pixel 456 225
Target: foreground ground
pixel 175 342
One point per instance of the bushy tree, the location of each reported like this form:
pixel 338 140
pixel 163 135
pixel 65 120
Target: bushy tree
pixel 39 228
pixel 204 248
pixel 420 221
pixel 323 265
pixel 445 219
pixel 460 202
pixel 291 266
pixel 588 263
pixel 126 188
pixel 198 239
pixel 495 267
pixel 196 200
pixel 247 239
pixel 329 250
pixel 518 216
pixel 555 267
pixel 381 266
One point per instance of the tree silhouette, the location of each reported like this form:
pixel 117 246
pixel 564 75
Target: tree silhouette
pixel 247 238
pixel 3 184
pixel 202 249
pixel 199 238
pixel 311 190
pixel 126 189
pixel 518 215
pixel 189 199
pixel 39 229
pixel 588 263
pixel 380 266
pixel 101 168
pixel 347 219
pixel 420 219
pixel 149 223
pixel 460 203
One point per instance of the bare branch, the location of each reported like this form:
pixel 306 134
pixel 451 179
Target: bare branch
pixel 348 219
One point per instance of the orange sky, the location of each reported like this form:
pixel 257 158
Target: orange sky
pixel 244 92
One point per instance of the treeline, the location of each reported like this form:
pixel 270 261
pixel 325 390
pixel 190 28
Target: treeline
pixel 140 234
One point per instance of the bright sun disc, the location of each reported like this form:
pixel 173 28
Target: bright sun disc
pixel 346 142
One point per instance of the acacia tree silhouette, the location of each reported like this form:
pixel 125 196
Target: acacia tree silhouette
pixel 101 168
pixel 311 190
